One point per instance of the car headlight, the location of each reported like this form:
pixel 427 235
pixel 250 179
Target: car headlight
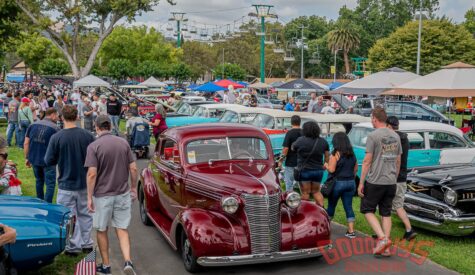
pixel 450 197
pixel 230 205
pixel 293 200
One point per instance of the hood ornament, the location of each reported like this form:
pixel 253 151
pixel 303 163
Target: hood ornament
pixel 446 179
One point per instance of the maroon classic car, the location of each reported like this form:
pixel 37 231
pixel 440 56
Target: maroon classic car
pixel 212 191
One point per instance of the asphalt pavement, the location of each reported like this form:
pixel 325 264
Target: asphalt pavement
pixel 151 254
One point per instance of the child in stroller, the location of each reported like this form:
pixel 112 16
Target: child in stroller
pixel 138 134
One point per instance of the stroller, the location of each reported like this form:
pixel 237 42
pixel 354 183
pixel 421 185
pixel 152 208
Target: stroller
pixel 140 140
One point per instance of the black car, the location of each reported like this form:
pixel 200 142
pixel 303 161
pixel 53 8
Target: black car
pixel 405 110
pixel 442 199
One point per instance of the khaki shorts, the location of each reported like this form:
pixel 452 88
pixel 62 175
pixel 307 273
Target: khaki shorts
pixel 113 210
pixel 398 201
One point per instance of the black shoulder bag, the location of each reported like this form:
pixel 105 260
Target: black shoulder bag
pixel 327 188
pixel 299 168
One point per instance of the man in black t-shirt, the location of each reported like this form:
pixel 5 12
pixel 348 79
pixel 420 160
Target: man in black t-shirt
pixel 289 155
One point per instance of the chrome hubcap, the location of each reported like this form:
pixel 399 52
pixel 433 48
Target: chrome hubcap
pixel 187 251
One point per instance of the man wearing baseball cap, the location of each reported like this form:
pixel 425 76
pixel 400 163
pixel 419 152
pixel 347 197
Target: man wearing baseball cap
pixel 398 201
pixel 109 195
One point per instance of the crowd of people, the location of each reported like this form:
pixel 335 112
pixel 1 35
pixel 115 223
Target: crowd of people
pixel 73 141
pixel 382 183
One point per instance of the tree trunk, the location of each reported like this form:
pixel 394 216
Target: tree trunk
pixel 347 62
pixel 92 57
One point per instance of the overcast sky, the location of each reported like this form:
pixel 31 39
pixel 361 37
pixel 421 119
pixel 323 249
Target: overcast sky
pixel 222 12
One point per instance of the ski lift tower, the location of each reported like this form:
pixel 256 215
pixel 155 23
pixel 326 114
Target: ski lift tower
pixel 262 12
pixel 360 66
pixel 178 17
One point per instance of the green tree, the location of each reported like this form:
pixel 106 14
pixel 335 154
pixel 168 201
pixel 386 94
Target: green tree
pixel 442 43
pixel 229 70
pixel 120 68
pixel 54 17
pixel 181 72
pixel 199 56
pixel 344 37
pixel 54 66
pixel 8 24
pixel 470 20
pixel 34 49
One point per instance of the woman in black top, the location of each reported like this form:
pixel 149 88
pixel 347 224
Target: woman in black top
pixel 312 153
pixel 344 166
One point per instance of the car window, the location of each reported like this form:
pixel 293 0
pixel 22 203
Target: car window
pixel 363 104
pixel 169 152
pixel 229 117
pixel 247 118
pixel 216 113
pixel 441 140
pixel 359 135
pixel 206 150
pixel 185 109
pixel 416 140
pixel 284 123
pixel 329 129
pixel 263 121
pixel 200 112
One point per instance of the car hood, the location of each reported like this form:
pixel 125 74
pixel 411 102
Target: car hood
pixel 188 120
pixel 256 178
pixel 28 208
pixel 455 177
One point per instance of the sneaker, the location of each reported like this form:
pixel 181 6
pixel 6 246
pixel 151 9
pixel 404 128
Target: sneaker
pixel 386 253
pixel 408 236
pixel 351 235
pixel 381 246
pixel 102 270
pixel 129 268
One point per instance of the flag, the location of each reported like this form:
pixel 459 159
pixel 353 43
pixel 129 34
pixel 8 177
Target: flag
pixel 87 266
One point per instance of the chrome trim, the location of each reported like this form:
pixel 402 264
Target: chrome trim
pixel 263 257
pixel 445 219
pixel 263 217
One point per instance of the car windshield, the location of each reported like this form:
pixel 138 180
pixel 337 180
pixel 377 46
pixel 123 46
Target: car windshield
pixel 263 121
pixel 242 148
pixel 359 135
pixel 229 117
pixel 185 109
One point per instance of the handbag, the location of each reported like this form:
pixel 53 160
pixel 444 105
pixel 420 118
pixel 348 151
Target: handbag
pixel 327 188
pixel 298 169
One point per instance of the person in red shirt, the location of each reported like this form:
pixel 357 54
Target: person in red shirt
pixel 158 121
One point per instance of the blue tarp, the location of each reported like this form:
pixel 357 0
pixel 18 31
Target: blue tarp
pixel 209 88
pixel 15 78
pixel 334 85
pixel 245 84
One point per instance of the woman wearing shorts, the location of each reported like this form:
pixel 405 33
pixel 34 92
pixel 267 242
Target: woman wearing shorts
pixel 312 153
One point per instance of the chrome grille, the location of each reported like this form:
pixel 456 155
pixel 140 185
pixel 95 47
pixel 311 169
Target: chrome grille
pixel 467 196
pixel 263 216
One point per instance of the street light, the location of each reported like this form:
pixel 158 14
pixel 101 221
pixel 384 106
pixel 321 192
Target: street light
pixel 301 53
pixel 263 11
pixel 178 17
pixel 419 37
pixel 334 72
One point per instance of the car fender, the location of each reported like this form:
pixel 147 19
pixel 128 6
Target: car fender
pixel 150 189
pixel 305 227
pixel 210 233
pixel 455 156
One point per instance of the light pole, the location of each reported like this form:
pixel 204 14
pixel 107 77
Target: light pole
pixel 262 11
pixel 418 70
pixel 334 64
pixel 178 17
pixel 301 53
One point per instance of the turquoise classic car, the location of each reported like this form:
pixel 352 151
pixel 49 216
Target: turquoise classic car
pixel 430 143
pixel 204 113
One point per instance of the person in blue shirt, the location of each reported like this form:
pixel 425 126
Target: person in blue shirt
pixel 290 105
pixel 37 139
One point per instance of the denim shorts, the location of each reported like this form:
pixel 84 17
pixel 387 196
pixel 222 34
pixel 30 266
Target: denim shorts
pixel 313 175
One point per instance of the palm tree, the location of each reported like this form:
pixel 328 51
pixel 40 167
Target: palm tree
pixel 344 38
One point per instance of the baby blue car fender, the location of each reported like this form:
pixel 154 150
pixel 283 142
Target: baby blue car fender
pixel 42 230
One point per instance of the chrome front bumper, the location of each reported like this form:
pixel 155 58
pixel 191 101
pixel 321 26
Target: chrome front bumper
pixel 446 219
pixel 263 258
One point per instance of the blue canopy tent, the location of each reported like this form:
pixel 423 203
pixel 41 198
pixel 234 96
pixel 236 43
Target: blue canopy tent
pixel 245 84
pixel 19 78
pixel 209 87
pixel 192 86
pixel 334 85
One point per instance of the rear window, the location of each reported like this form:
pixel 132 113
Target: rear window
pixel 359 135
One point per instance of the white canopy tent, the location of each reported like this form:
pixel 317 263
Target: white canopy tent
pixel 90 81
pixel 152 82
pixel 376 83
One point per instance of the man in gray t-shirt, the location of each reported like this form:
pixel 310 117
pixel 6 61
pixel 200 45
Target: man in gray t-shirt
pixel 379 173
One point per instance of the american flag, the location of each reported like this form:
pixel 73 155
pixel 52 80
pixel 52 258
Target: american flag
pixel 87 266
